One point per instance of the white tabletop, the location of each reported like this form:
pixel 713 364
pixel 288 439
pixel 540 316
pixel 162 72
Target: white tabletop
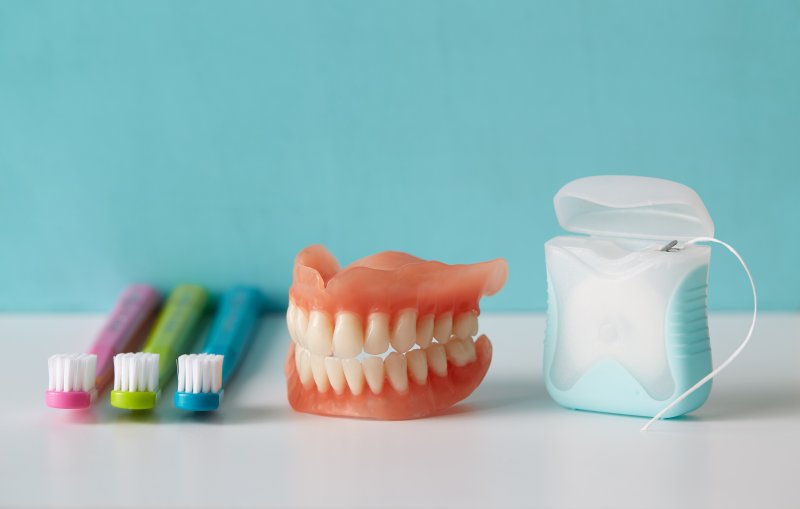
pixel 508 445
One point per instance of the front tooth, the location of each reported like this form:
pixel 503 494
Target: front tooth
pixel 319 372
pixel 377 338
pixel 443 327
pixel 291 311
pixel 405 330
pixel 304 368
pixel 301 325
pixel 354 375
pixel 373 372
pixel 437 359
pixel 333 367
pixel 396 371
pixel 318 335
pixel 425 331
pixel 465 324
pixel 348 335
pixel 459 353
pixel 417 366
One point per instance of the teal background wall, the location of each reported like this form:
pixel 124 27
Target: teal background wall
pixel 210 141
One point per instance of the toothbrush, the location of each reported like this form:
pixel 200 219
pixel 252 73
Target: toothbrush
pixel 75 379
pixel 140 377
pixel 203 377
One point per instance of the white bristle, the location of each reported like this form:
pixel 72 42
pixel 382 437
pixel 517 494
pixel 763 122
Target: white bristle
pixel 136 372
pixel 71 372
pixel 200 373
pixel 181 368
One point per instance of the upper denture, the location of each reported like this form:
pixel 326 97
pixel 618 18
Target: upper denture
pixel 393 283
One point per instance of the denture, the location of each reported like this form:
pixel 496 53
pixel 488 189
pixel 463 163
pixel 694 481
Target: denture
pixel 390 336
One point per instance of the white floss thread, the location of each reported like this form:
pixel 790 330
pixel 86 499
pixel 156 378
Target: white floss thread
pixel 735 353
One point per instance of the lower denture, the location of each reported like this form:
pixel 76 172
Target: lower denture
pixel 388 337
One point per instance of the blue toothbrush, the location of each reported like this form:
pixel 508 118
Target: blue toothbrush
pixel 203 377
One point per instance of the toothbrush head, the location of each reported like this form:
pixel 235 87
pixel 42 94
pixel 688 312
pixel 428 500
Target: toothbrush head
pixel 71 381
pixel 199 382
pixel 135 381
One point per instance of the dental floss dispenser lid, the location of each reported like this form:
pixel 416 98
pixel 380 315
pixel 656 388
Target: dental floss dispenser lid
pixel 632 207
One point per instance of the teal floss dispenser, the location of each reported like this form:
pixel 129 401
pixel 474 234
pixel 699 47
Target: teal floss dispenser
pixel 627 327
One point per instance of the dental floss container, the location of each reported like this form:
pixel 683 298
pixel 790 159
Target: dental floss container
pixel 627 326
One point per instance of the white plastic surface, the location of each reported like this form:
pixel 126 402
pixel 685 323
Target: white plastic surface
pixel 508 445
pixel 632 207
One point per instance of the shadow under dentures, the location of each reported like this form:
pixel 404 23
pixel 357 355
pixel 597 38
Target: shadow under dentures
pixel 503 396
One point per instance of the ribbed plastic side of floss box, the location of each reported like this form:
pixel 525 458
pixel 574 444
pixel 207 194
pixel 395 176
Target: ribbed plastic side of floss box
pixel 627 327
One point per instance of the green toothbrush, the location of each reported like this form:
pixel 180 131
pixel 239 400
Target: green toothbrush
pixel 140 377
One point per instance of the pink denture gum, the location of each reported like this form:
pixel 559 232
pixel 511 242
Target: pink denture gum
pixel 390 336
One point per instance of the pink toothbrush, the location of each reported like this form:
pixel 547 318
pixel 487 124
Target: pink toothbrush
pixel 75 379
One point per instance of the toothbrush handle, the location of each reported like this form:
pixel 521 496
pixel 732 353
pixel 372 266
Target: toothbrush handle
pixel 133 307
pixel 234 326
pixel 175 326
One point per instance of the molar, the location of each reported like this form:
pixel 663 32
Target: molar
pixel 333 367
pixel 405 330
pixel 373 372
pixel 425 331
pixel 465 325
pixel 348 335
pixel 318 335
pixel 460 351
pixel 443 327
pixel 354 375
pixel 437 359
pixel 396 371
pixel 377 338
pixel 417 363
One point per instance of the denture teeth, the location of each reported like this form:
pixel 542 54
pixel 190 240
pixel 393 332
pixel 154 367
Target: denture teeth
pixel 348 335
pixel 417 363
pixel 304 367
pixel 354 374
pixel 465 325
pixel 443 327
pixel 333 367
pixel 425 331
pixel 474 331
pixel 459 352
pixel 326 372
pixel 319 333
pixel 291 311
pixel 300 325
pixel 320 373
pixel 470 346
pixel 405 330
pixel 332 360
pixel 437 359
pixel 396 371
pixel 377 338
pixel 373 372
